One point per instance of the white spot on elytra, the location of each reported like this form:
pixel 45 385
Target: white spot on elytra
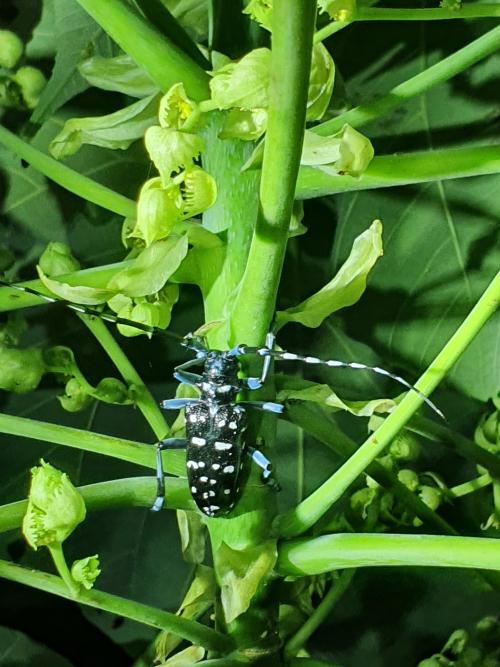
pixel 213 482
pixel 215 466
pixel 192 464
pixel 221 446
pixel 228 469
pixel 214 508
pixel 193 418
pixel 198 441
pixel 201 464
pixel 203 479
pixel 233 425
pixel 221 423
pixel 227 492
pixel 194 489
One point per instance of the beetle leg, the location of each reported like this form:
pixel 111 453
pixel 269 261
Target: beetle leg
pixel 266 466
pixel 184 377
pixel 168 443
pixel 178 403
pixel 264 406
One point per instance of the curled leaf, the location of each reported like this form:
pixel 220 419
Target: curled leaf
pixel 88 296
pixel 120 74
pixel 321 82
pixel 244 124
pixel 345 288
pixel 158 209
pixel 244 83
pixel 76 396
pixel 346 152
pixel 56 260
pixel 116 130
pixel 149 272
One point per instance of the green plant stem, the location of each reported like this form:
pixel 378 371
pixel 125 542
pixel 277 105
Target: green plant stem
pixel 130 492
pixel 320 614
pixel 456 441
pixel 343 550
pixel 57 554
pixel 165 63
pixel 142 396
pixel 156 618
pixel 471 486
pixel 387 171
pixel 118 448
pixel 290 65
pixel 314 506
pixel 442 71
pixel 475 11
pixel 67 178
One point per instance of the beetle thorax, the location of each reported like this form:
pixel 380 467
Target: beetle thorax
pixel 220 378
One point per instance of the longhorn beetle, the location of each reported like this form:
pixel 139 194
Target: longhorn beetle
pixel 216 421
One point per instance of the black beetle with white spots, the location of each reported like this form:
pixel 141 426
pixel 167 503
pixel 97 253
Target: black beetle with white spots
pixel 216 421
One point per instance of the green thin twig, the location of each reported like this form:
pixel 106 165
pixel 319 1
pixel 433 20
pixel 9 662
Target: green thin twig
pixel 67 178
pixel 471 486
pixel 314 506
pixel 289 77
pixel 130 492
pixel 118 448
pixel 156 618
pixel 343 550
pixel 319 615
pixel 442 71
pixel 142 396
pixel 165 63
pixel 386 171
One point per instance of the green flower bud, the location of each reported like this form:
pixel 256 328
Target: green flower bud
pixel 57 260
pixel 405 447
pixel 409 478
pixel 243 84
pixel 176 109
pixel 86 570
pixel 11 49
pixel 431 662
pixel 76 396
pixel 55 507
pixel 171 150
pixel 20 369
pixel 430 496
pixel 244 124
pixel 31 81
pixel 488 629
pixel 112 390
pixel 158 209
pixel 199 191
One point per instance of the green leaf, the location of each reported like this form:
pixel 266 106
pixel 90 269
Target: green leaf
pixel 116 130
pixel 345 288
pixel 56 260
pixel 241 573
pixel 76 35
pixel 43 42
pixel 189 656
pixel 120 74
pixel 193 536
pixel 112 390
pixel 151 270
pixel 261 11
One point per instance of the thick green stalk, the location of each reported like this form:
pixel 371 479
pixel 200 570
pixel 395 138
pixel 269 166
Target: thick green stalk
pixel 314 506
pixel 165 63
pixel 68 178
pixel 386 171
pixel 475 11
pixel 442 71
pixel 156 618
pixel 320 614
pixel 131 492
pixel 346 550
pixel 291 57
pixel 142 396
pixel 118 448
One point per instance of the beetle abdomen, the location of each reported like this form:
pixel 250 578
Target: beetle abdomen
pixel 214 455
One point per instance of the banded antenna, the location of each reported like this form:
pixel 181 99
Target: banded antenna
pixel 268 352
pixel 85 310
